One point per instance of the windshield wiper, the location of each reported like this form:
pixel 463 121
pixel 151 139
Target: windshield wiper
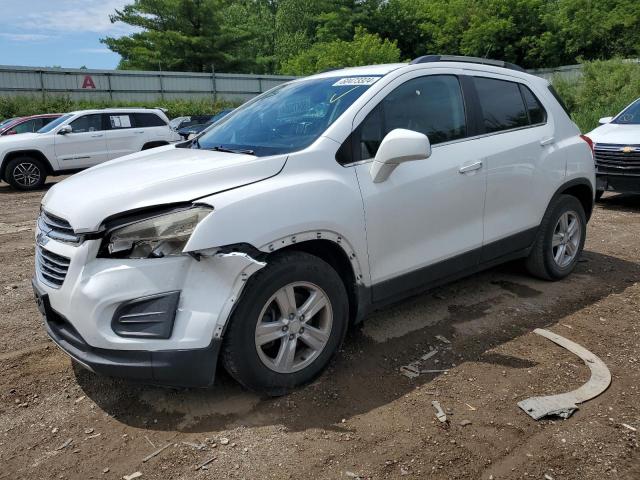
pixel 232 150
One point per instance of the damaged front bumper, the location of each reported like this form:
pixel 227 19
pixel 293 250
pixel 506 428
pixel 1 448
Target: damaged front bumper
pixel 154 320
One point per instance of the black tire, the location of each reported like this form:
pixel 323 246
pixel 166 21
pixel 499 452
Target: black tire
pixel 239 351
pixel 16 173
pixel 541 262
pixel 599 194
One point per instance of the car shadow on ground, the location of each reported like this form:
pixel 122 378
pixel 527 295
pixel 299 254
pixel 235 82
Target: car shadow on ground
pixel 6 189
pixel 626 202
pixel 365 375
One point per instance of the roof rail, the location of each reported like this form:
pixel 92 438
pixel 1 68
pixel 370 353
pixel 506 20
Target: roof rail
pixel 460 58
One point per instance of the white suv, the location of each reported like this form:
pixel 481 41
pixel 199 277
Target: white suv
pixel 79 140
pixel 261 240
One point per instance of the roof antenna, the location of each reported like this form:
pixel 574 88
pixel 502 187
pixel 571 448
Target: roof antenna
pixel 488 50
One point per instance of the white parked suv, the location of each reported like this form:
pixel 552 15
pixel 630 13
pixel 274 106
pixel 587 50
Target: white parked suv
pixel 79 140
pixel 263 239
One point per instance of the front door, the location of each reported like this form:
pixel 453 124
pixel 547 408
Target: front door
pixel 425 221
pixel 85 146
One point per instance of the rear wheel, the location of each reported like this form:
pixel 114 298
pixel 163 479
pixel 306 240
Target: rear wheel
pixel 291 320
pixel 560 239
pixel 25 173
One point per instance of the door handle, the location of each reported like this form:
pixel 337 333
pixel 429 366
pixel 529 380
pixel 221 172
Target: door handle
pixel 97 135
pixel 470 168
pixel 139 131
pixel 547 141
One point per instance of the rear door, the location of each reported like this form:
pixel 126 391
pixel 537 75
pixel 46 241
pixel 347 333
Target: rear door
pixel 85 146
pixel 518 146
pixel 122 136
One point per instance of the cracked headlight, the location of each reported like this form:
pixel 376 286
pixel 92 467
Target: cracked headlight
pixel 154 237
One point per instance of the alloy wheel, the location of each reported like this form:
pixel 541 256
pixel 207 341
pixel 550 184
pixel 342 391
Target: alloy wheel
pixel 294 327
pixel 26 174
pixel 566 238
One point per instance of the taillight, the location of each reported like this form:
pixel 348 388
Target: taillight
pixel 589 142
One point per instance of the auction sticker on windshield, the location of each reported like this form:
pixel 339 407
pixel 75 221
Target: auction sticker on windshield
pixel 354 81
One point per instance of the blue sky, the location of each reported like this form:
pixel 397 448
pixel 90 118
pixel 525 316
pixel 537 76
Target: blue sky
pixel 64 33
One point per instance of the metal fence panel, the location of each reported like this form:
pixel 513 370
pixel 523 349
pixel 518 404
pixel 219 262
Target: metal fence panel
pixel 133 86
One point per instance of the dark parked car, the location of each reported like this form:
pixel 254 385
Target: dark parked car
pixel 33 123
pixel 194 129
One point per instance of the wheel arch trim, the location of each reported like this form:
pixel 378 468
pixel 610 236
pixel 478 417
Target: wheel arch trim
pixel 8 156
pixel 309 236
pixel 570 187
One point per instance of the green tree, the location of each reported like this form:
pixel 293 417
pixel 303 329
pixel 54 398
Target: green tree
pixel 364 49
pixel 177 35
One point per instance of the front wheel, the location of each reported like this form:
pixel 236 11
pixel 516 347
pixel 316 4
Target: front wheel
pixel 560 239
pixel 25 173
pixel 290 321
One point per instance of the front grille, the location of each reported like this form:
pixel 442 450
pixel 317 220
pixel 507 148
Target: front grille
pixel 57 228
pixel 616 158
pixel 51 267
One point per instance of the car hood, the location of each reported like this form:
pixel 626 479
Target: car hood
pixel 616 133
pixel 159 176
pixel 10 140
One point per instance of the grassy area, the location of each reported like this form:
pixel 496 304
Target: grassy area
pixel 31 105
pixel 604 89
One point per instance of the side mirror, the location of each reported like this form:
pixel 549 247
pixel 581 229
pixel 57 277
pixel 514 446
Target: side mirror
pixel 64 130
pixel 397 147
pixel 605 120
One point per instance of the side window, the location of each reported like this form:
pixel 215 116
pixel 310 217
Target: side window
pixel 118 121
pixel 432 105
pixel 501 103
pixel 537 113
pixel 142 120
pixel 47 121
pixel 87 123
pixel 25 127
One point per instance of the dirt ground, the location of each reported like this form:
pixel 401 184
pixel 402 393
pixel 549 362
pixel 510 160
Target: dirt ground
pixel 362 418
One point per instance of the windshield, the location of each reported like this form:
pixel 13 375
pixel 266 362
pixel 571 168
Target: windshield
pixel 630 115
pixel 50 126
pixel 287 118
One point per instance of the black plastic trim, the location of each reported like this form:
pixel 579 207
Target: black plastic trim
pixel 151 316
pixel 395 289
pixel 463 59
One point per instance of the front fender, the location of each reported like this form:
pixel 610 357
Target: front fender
pixel 313 198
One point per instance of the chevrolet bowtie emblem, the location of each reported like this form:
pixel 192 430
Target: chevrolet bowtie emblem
pixel 627 149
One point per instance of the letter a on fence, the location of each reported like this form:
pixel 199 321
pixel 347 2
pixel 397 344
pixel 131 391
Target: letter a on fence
pixel 88 82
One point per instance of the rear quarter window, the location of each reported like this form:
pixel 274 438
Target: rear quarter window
pixel 148 120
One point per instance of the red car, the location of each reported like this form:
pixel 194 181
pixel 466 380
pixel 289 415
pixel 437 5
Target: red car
pixel 29 124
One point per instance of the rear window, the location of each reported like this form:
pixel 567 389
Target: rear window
pixel 148 120
pixel 501 103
